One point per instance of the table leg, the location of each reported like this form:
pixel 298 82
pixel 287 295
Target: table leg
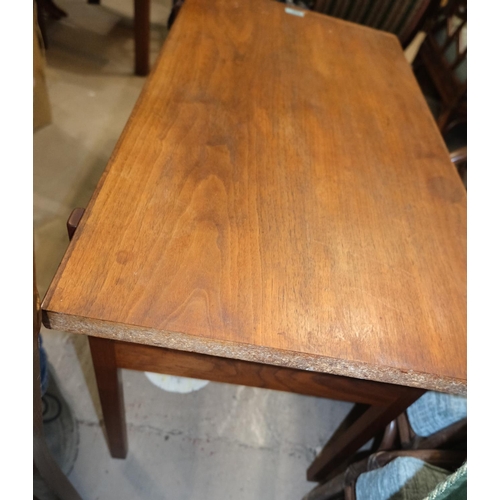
pixel 109 385
pixel 344 444
pixel 141 33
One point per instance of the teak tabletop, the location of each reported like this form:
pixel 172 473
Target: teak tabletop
pixel 280 195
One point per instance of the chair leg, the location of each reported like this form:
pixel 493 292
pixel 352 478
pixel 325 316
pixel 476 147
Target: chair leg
pixel 341 446
pixel 389 437
pixel 443 119
pixel 141 32
pixel 109 385
pixel 40 15
pixel 52 9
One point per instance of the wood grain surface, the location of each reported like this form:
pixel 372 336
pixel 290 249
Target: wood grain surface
pixel 280 194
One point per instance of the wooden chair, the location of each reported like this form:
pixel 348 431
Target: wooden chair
pixel 434 421
pixel 440 423
pixel 421 427
pixel 419 471
pixel 443 55
pixel 403 18
pixel 43 461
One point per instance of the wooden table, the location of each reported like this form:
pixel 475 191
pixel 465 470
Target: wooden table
pixel 280 211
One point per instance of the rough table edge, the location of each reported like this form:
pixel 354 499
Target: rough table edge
pixel 245 352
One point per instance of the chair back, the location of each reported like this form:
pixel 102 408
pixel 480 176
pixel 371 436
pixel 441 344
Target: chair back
pixel 444 56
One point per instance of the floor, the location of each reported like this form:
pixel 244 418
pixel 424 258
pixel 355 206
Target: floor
pixel 219 442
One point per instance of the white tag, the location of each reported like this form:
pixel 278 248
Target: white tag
pixel 171 383
pixel 294 12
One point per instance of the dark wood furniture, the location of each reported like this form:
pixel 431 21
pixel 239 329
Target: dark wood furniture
pixel 453 436
pixel 142 14
pixel 399 435
pixel 252 227
pixel 142 11
pixel 443 54
pixel 43 460
pixel 47 8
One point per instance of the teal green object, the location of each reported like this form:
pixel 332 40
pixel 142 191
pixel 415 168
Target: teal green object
pixel 454 487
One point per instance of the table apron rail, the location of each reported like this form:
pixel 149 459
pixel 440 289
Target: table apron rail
pixel 218 369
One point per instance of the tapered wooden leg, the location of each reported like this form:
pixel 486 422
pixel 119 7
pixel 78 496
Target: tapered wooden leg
pixel 343 445
pixel 109 384
pixel 141 32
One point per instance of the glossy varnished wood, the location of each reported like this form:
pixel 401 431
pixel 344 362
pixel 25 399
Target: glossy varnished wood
pixel 281 195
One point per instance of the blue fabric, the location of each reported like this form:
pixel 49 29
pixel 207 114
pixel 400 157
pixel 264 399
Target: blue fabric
pixel 404 478
pixel 44 374
pixel 435 411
